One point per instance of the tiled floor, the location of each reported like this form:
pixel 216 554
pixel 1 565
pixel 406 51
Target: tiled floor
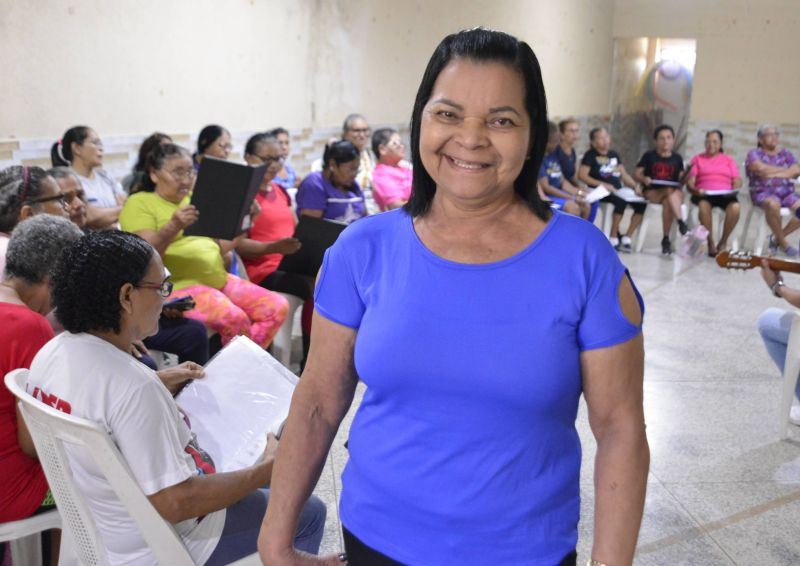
pixel 722 488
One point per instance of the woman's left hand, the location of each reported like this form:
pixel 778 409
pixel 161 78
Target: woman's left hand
pixel 173 378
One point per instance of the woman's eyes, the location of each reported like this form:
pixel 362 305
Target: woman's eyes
pixel 449 116
pixel 502 122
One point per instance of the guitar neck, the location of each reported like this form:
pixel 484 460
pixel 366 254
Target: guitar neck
pixel 744 260
pixel 780 264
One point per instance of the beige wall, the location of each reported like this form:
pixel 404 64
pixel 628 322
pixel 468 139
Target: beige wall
pixel 747 52
pixel 128 67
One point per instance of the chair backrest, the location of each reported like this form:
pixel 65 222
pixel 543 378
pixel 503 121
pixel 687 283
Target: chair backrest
pixel 51 430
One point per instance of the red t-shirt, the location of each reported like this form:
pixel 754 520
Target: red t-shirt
pixel 23 486
pixel 275 222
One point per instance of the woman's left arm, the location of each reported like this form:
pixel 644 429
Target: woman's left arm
pixel 612 386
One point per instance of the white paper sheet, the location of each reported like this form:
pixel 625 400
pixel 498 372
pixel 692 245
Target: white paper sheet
pixel 596 194
pixel 721 192
pixel 661 183
pixel 629 195
pixel 244 395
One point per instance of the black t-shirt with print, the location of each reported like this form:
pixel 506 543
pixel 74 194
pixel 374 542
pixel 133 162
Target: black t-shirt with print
pixel 604 168
pixel 661 168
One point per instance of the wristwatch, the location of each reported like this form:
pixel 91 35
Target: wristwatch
pixel 593 562
pixel 777 285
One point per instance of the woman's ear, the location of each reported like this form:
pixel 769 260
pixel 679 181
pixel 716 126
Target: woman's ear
pixel 153 177
pixel 125 297
pixel 26 211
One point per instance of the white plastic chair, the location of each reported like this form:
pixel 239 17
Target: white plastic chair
pixel 281 346
pixel 761 221
pixel 791 369
pixel 51 430
pixel 25 536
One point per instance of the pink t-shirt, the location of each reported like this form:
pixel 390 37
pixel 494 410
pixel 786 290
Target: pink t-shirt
pixel 714 173
pixel 390 184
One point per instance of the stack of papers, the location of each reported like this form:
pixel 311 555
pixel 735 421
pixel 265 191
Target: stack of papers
pixel 629 195
pixel 596 194
pixel 244 394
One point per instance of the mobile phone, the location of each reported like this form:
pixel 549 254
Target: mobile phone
pixel 181 305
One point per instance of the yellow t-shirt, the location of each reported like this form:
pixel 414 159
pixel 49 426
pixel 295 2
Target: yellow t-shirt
pixel 192 260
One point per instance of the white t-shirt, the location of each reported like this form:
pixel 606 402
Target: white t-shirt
pixel 101 191
pixel 4 238
pixel 90 378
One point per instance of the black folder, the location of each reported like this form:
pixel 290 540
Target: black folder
pixel 316 235
pixel 223 194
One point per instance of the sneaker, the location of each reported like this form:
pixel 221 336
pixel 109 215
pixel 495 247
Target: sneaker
pixel 794 415
pixel 682 227
pixel 614 242
pixel 772 245
pixel 666 246
pixel 625 245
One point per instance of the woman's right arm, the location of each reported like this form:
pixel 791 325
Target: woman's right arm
pixel 161 239
pixel 319 404
pixel 101 218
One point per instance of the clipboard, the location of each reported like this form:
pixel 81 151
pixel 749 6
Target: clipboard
pixel 223 194
pixel 316 235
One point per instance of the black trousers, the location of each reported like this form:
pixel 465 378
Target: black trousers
pixel 359 554
pixel 184 337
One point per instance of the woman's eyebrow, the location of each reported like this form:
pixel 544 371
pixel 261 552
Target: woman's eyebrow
pixel 504 109
pixel 448 102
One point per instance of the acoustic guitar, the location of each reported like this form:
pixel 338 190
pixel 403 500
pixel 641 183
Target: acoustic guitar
pixel 746 260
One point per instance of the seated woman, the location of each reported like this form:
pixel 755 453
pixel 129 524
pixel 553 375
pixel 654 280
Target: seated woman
pixel 159 213
pixel 771 171
pixel 214 141
pixel 132 180
pixel 24 192
pixel 660 172
pixel 333 193
pixel 271 235
pixel 287 176
pixel 34 248
pixel 714 171
pixel 391 182
pixel 108 290
pixel 81 148
pixel 554 185
pixel 602 166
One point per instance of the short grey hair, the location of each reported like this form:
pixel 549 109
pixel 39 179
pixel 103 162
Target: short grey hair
pixel 762 129
pixel 36 245
pixel 62 172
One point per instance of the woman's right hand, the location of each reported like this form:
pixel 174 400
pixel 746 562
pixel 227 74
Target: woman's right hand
pixel 286 246
pixel 185 216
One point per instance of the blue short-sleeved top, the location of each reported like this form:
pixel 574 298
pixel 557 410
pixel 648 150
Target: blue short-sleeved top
pixel 464 448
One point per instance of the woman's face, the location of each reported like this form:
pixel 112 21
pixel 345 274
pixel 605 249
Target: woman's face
pixel 769 139
pixel 268 154
pixel 474 141
pixel 146 300
pixel 394 150
pixel 90 151
pixel 51 201
pixel 343 175
pixel 175 179
pixel 283 143
pixel 665 141
pixel 601 141
pixel 713 144
pixel 221 148
pixel 357 133
pixel 74 197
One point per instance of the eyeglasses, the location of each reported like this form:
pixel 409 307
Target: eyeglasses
pixel 269 160
pixel 62 199
pixel 396 143
pixel 71 196
pixel 180 174
pixel 362 131
pixel 164 288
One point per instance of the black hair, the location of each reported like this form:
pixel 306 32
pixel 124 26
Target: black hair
pixel 155 161
pixel 61 152
pixel 349 120
pixel 88 277
pixel 721 138
pixel 256 140
pixel 381 137
pixel 153 140
pixel 19 185
pixel 208 136
pixel 278 131
pixel 36 245
pixel 481 44
pixel 340 152
pixel 594 131
pixel 661 128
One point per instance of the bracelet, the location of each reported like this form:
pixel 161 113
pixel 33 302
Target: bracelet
pixel 777 285
pixel 593 562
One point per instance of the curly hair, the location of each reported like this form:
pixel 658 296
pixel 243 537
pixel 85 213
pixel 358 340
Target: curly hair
pixel 18 186
pixel 88 277
pixel 36 245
